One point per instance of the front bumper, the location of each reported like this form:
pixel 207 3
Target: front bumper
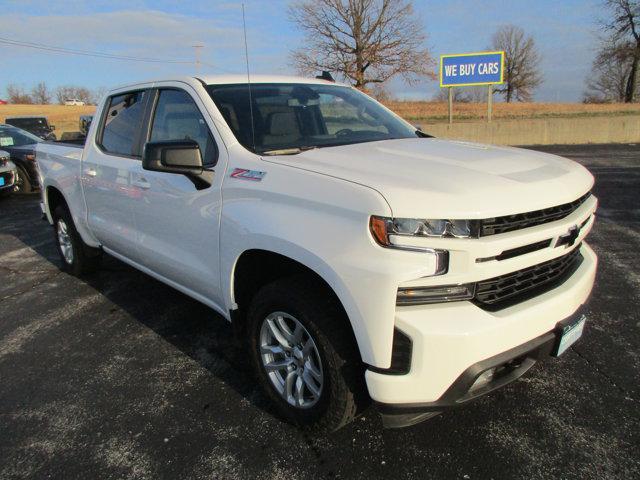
pixel 508 367
pixel 452 339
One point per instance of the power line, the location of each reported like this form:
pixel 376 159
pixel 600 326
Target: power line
pixel 88 53
pixel 108 56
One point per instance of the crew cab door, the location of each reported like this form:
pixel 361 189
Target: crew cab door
pixel 111 167
pixel 178 222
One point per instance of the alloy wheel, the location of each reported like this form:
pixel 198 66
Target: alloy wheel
pixel 18 182
pixel 291 360
pixel 64 240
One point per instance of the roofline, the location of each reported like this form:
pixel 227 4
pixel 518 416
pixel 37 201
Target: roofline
pixel 227 79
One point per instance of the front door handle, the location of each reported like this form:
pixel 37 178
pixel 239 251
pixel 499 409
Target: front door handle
pixel 90 172
pixel 142 183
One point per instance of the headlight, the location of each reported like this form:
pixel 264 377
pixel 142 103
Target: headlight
pixel 381 228
pixel 429 227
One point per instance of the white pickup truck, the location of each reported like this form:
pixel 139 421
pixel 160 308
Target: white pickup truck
pixel 358 258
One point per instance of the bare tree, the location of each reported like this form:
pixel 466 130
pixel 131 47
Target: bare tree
pixel 83 94
pixel 479 94
pixel 460 95
pixel 69 92
pixel 64 93
pixel 380 92
pixel 609 75
pixel 623 27
pixel 17 94
pixel 364 41
pixel 40 94
pixel 521 73
pixel 97 95
pixel 463 95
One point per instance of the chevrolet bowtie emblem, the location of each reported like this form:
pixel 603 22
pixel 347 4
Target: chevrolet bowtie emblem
pixel 570 238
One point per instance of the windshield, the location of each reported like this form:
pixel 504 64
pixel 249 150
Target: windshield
pixel 34 123
pixel 14 137
pixel 302 116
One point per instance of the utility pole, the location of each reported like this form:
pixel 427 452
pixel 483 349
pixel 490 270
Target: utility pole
pixel 197 50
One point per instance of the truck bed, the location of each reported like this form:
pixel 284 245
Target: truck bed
pixel 60 163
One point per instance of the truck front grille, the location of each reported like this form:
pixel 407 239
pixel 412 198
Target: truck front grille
pixel 506 290
pixel 509 223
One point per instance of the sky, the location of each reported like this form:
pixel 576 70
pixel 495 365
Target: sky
pixel 566 33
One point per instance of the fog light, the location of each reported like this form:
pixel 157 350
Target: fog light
pixel 484 378
pixel 442 293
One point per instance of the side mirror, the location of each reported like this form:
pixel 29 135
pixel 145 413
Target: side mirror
pixel 173 156
pixel 52 127
pixel 420 133
pixel 181 157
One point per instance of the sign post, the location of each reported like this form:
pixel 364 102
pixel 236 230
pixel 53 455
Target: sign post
pixel 472 69
pixel 489 102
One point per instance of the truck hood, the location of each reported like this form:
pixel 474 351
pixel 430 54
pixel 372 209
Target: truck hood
pixel 432 178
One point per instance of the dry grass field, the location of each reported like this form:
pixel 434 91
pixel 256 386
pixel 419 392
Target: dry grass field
pixel 436 112
pixel 66 118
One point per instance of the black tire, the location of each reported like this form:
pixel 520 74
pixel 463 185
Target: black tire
pixel 343 391
pixel 84 259
pixel 23 183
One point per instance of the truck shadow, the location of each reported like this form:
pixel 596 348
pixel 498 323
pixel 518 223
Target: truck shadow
pixel 196 330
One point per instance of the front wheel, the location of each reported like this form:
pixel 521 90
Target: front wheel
pixel 304 354
pixel 23 183
pixel 291 359
pixel 77 258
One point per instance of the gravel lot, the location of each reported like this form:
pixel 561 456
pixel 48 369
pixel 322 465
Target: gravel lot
pixel 119 376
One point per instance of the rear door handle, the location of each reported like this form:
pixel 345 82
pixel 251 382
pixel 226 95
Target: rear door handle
pixel 90 172
pixel 142 183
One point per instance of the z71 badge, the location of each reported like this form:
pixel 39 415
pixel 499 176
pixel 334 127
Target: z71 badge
pixel 244 174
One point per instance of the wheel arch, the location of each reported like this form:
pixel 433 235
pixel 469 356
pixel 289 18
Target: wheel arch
pixel 53 198
pixel 257 267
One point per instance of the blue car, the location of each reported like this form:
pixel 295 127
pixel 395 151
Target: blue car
pixel 21 147
pixel 8 174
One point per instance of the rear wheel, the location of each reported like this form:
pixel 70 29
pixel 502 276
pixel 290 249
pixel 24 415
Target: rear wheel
pixel 304 354
pixel 77 257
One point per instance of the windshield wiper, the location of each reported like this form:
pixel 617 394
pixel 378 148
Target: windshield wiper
pixel 289 151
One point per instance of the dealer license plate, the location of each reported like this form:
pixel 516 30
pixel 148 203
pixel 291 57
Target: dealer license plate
pixel 570 335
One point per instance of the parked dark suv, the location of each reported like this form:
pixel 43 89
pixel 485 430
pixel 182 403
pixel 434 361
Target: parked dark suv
pixel 21 146
pixel 37 125
pixel 85 123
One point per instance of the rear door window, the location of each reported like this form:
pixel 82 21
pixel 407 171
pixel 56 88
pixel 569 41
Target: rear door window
pixel 122 124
